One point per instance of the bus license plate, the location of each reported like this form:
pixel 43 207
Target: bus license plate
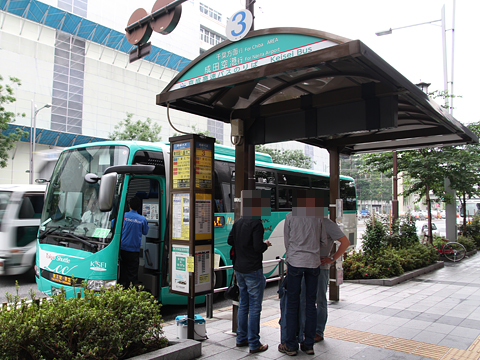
pixel 61 279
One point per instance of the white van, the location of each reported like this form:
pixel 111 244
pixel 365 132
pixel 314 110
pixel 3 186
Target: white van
pixel 20 211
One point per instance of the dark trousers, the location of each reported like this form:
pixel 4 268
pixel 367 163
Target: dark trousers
pixel 294 280
pixel 129 262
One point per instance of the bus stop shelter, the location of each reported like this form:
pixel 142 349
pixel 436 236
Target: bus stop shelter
pixel 313 87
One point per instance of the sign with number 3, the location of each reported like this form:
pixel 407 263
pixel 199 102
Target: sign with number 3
pixel 239 25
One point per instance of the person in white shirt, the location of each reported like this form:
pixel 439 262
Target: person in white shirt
pixel 93 213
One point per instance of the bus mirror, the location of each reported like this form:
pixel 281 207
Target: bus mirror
pixel 107 191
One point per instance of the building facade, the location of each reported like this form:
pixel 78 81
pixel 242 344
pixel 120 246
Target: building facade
pixel 73 54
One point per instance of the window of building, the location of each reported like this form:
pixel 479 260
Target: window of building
pixel 210 37
pixel 204 9
pixel 215 129
pixel 68 83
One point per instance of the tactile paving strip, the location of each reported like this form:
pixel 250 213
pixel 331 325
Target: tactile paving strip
pixel 413 347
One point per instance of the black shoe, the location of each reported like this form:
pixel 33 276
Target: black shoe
pixel 242 344
pixel 261 348
pixel 307 350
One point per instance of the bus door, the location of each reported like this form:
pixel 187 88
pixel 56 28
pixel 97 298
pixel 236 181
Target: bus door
pixel 151 192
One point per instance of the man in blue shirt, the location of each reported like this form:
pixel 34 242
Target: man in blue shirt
pixel 134 226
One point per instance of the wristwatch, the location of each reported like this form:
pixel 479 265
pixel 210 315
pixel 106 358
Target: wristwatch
pixel 331 258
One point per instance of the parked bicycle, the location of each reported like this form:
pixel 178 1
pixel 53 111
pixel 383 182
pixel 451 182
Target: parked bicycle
pixel 452 250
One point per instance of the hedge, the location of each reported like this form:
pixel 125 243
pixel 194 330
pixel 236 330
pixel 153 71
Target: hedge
pixel 112 324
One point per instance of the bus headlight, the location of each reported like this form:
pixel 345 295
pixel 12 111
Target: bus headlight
pixel 96 285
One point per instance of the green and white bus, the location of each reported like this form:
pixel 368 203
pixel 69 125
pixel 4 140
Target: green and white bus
pixel 70 250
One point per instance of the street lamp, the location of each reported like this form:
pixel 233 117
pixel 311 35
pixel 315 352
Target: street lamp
pixel 451 212
pixel 33 130
pixel 444 43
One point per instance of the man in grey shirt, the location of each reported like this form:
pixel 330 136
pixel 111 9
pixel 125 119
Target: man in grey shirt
pixel 302 235
pixel 333 233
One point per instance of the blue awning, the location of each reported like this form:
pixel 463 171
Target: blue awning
pixel 80 27
pixel 52 137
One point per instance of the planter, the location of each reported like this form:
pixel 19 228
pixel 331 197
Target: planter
pixel 184 349
pixel 401 278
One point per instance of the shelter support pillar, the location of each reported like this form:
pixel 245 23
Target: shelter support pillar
pixel 334 289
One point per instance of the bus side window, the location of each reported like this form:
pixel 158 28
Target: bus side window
pixel 218 196
pixel 227 206
pixel 285 199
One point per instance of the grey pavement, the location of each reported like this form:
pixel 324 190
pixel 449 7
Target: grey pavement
pixel 433 316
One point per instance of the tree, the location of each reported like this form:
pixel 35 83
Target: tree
pixel 423 173
pixel 370 185
pixel 463 170
pixel 128 129
pixel 288 157
pixel 7 142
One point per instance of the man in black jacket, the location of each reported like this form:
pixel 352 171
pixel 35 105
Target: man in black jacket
pixel 247 238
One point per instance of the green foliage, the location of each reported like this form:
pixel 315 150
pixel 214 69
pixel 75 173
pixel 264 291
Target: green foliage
pixel 463 169
pixel 7 142
pixel 388 251
pixel 288 157
pixel 370 185
pixel 468 242
pixel 388 262
pixel 473 230
pixel 128 129
pixel 374 237
pixel 114 324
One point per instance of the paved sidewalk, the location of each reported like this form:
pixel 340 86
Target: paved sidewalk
pixel 433 316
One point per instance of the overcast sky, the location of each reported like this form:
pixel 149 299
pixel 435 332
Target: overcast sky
pixel 416 52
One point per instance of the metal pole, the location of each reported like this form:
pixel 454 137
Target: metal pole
pixel 209 305
pixel 33 124
pixel 444 43
pixel 249 6
pixel 191 316
pixel 453 43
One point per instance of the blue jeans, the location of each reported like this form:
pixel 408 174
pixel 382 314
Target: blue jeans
pixel 251 287
pixel 322 310
pixel 294 280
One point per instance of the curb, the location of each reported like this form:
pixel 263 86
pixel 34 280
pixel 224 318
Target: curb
pixel 184 349
pixel 396 280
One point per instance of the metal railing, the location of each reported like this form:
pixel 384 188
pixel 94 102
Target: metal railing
pixel 279 278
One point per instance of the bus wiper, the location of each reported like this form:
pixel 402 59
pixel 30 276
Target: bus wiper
pixel 50 230
pixel 85 242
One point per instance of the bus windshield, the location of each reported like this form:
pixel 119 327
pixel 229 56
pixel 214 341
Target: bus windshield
pixel 71 216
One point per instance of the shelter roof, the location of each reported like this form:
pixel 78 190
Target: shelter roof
pixel 313 87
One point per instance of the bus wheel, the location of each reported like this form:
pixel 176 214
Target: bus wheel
pixel 219 280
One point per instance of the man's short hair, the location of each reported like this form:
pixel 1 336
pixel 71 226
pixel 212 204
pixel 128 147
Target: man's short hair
pixel 135 203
